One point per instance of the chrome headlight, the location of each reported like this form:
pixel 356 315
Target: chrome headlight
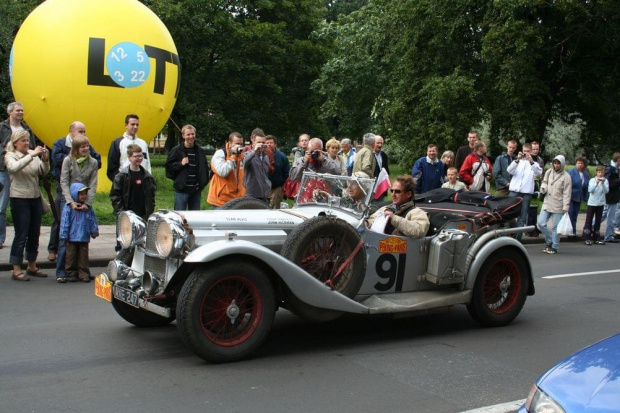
pixel 117 270
pixel 170 238
pixel 539 401
pixel 131 229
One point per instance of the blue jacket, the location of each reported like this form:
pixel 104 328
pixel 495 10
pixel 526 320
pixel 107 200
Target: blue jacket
pixel 580 192
pixel 77 226
pixel 500 171
pixel 281 169
pixel 428 175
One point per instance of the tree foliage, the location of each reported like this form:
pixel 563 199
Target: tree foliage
pixel 246 64
pixel 423 71
pixel 416 71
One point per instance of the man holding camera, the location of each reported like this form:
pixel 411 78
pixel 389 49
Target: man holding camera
pixel 523 171
pixel 227 165
pixel 256 165
pixel 315 160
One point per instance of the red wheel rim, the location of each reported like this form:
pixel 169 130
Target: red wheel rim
pixel 323 257
pixel 231 311
pixel 502 286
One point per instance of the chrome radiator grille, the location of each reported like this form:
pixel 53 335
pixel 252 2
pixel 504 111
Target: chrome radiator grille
pixel 151 235
pixel 155 266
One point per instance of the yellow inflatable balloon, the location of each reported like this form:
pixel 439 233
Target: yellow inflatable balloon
pixel 94 61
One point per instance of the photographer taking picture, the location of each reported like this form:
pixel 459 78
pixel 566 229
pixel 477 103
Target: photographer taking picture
pixel 227 165
pixel 256 165
pixel 314 160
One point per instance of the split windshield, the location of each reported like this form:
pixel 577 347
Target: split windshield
pixel 348 193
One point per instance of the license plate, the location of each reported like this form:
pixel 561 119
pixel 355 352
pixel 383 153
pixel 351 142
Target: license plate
pixel 125 295
pixel 103 287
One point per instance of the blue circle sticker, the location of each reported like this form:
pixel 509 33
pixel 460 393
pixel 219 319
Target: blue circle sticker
pixel 128 64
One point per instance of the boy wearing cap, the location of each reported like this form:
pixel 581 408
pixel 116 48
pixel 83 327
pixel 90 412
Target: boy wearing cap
pixel 77 227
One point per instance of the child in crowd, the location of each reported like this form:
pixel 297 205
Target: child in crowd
pixel 134 187
pixel 597 187
pixel 452 180
pixel 77 226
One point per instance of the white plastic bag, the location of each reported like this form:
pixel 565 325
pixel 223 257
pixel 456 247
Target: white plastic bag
pixel 565 227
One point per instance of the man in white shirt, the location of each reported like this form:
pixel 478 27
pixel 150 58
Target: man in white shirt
pixel 119 146
pixel 523 170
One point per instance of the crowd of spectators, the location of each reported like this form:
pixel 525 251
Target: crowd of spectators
pixel 262 171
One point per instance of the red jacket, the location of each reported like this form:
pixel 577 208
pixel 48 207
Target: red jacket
pixel 467 169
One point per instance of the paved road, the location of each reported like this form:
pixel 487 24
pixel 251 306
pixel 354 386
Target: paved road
pixel 64 350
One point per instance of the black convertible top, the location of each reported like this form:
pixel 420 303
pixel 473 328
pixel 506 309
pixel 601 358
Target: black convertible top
pixel 482 207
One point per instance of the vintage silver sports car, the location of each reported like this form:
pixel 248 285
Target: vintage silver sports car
pixel 223 274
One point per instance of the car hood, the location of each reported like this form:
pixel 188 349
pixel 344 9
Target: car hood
pixel 588 380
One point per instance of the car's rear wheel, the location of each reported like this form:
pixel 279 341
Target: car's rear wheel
pixel 139 317
pixel 245 202
pixel 225 312
pixel 331 250
pixel 500 289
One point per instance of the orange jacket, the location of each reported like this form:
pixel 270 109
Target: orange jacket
pixel 227 181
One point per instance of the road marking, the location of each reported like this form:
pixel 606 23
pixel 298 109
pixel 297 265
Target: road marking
pixel 499 408
pixel 579 274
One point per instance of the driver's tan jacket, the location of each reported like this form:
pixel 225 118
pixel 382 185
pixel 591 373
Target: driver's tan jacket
pixel 415 224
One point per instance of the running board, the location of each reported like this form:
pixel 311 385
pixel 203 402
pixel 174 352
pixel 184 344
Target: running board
pixel 415 301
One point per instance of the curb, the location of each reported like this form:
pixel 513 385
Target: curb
pixel 97 262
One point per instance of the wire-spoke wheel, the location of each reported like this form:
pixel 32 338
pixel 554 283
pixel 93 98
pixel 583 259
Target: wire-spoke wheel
pixel 329 249
pixel 231 311
pixel 225 312
pixel 500 289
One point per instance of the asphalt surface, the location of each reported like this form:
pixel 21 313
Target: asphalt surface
pixel 64 350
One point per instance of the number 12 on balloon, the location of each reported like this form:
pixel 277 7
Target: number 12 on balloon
pixel 127 64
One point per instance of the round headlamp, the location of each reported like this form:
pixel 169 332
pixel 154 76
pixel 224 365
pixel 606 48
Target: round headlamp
pixel 131 229
pixel 116 270
pixel 169 238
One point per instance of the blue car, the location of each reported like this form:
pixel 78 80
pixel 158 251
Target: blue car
pixel 587 381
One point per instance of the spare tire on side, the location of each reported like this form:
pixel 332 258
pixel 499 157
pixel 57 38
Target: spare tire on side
pixel 245 202
pixel 321 246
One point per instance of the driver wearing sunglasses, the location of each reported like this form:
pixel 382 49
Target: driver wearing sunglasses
pixel 403 218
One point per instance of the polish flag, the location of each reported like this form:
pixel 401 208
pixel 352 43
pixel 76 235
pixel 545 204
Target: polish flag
pixel 383 183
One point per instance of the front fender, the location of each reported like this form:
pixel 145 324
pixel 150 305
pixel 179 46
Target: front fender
pixel 302 284
pixel 489 248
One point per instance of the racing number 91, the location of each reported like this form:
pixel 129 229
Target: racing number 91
pixel 391 270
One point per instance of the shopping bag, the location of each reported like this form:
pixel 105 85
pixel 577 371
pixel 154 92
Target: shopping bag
pixel 565 227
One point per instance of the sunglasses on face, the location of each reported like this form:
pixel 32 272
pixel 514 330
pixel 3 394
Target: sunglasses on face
pixel 397 191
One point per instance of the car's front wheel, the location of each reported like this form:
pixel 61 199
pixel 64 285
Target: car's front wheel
pixel 225 312
pixel 500 289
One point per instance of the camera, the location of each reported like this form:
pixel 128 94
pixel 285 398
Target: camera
pixel 236 151
pixel 264 145
pixel 315 154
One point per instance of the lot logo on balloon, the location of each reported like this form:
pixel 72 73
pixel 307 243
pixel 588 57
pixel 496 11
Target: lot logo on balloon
pixel 128 65
pixel 94 61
